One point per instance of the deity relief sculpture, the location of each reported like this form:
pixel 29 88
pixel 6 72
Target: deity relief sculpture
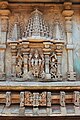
pixel 53 65
pixel 19 66
pixel 35 65
pixel 36 62
pixel 32 57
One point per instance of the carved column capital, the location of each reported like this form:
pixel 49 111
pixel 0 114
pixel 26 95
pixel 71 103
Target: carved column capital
pixel 68 13
pixel 47 48
pixel 59 47
pixel 59 44
pixel 4 4
pixel 4 19
pixel 4 13
pixel 68 19
pixel 67 5
pixel 13 46
pixel 25 47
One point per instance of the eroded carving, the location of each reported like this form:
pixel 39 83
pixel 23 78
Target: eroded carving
pixel 19 66
pixel 36 62
pixel 34 58
pixel 8 99
pixel 21 99
pixel 28 98
pixel 36 99
pixel 62 98
pixel 53 64
pixel 42 101
pixel 48 99
pixel 76 98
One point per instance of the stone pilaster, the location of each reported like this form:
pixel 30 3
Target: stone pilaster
pixel 2 61
pixel 25 60
pixel 62 103
pixel 25 51
pixel 47 51
pixel 13 46
pixel 4 15
pixel 62 98
pixel 59 49
pixel 76 102
pixel 76 98
pixel 59 72
pixel 47 64
pixel 8 99
pixel 22 99
pixel 49 109
pixel 68 13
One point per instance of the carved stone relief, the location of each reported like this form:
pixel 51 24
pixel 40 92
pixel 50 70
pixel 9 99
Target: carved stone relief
pixel 53 64
pixel 76 42
pixel 36 62
pixel 31 62
pixel 19 60
pixel 36 99
pixel 16 27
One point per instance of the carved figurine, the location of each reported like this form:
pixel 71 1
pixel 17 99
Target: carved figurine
pixel 53 64
pixel 19 66
pixel 36 62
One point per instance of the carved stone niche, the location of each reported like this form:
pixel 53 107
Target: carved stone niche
pixel 37 54
pixel 32 63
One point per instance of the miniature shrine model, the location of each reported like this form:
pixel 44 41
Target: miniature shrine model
pixel 39 58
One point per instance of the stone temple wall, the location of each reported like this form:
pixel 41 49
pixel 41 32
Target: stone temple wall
pixel 12 26
pixel 39 59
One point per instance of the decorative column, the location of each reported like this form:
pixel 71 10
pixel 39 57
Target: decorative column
pixel 59 49
pixel 47 52
pixel 22 108
pixel 25 52
pixel 68 13
pixel 4 15
pixel 62 102
pixel 76 100
pixel 13 46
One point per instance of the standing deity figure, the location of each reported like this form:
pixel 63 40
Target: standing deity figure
pixel 36 62
pixel 53 66
pixel 19 66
